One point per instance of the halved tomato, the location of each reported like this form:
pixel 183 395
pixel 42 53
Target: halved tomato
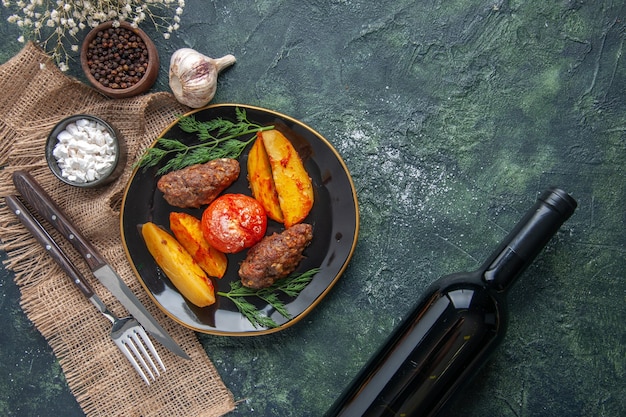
pixel 234 222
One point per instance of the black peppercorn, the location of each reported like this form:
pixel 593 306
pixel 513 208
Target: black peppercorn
pixel 117 58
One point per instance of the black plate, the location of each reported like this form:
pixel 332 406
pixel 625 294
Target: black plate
pixel 334 217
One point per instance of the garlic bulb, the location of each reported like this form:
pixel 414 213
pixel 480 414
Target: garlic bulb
pixel 193 76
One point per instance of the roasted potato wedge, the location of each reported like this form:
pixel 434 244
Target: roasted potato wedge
pixel 187 230
pixel 293 185
pixel 262 182
pixel 178 265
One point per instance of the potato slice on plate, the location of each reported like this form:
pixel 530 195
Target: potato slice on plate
pixel 292 182
pixel 178 265
pixel 262 182
pixel 188 232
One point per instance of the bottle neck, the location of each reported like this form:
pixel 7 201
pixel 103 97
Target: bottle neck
pixel 527 239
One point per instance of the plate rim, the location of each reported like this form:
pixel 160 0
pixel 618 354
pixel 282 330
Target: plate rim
pixel 318 299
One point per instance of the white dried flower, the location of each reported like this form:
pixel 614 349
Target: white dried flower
pixel 56 23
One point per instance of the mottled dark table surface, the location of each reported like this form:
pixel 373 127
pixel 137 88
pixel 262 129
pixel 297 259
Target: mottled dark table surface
pixel 451 116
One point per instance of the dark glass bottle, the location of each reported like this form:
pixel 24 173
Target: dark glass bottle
pixel 452 331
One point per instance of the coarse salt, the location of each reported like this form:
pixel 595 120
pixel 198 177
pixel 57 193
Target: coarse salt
pixel 85 151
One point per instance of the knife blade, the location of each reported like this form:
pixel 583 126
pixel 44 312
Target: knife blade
pixel 40 201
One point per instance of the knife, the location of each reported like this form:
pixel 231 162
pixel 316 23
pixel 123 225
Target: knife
pixel 40 201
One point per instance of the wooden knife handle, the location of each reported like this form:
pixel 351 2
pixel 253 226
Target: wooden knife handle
pixel 40 201
pixel 42 236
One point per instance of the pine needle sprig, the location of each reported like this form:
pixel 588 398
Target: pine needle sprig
pixel 219 138
pixel 291 286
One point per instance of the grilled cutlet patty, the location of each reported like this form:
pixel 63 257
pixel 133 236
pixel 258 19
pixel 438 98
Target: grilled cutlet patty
pixel 275 256
pixel 200 184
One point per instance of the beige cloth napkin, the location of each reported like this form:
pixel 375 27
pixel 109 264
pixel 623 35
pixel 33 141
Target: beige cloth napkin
pixel 36 95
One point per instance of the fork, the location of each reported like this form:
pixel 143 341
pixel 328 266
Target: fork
pixel 129 336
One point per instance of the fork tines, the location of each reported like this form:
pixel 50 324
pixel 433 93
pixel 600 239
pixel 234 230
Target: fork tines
pixel 133 344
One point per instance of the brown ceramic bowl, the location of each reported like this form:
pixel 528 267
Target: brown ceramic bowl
pixel 128 83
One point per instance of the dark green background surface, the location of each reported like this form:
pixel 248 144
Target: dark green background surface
pixel 451 116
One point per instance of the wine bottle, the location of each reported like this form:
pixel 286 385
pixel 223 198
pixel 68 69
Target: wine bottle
pixel 455 327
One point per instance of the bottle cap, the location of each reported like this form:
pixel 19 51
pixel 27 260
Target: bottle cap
pixel 559 200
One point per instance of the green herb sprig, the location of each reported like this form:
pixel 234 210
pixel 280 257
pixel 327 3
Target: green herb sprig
pixel 291 286
pixel 219 138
